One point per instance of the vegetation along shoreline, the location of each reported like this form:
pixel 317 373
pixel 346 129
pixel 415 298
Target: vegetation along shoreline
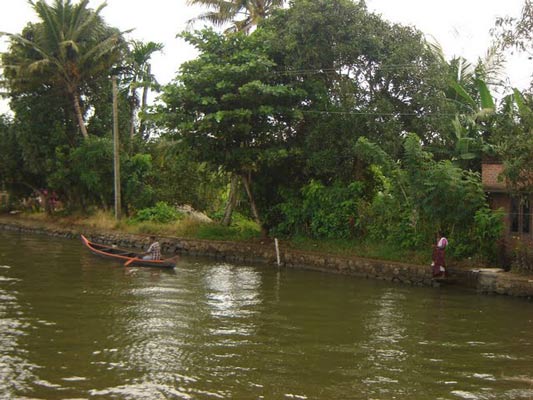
pixel 483 280
pixel 317 122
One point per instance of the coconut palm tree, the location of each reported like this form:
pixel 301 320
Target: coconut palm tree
pixel 69 47
pixel 138 74
pixel 243 14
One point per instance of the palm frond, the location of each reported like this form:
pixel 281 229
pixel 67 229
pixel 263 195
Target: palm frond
pixel 492 67
pixel 101 49
pixel 88 23
pixel 45 13
pixel 436 49
pixel 38 66
pixel 228 11
pixel 27 43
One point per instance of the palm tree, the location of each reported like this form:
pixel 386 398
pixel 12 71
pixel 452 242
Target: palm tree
pixel 68 48
pixel 139 75
pixel 244 14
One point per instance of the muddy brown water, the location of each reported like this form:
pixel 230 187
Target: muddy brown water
pixel 76 326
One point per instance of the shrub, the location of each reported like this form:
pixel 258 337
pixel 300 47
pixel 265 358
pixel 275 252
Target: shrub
pixel 522 258
pixel 322 211
pixel 488 228
pixel 161 212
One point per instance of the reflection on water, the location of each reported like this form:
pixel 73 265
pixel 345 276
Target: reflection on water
pixel 75 326
pixel 386 353
pixel 232 298
pixel 15 370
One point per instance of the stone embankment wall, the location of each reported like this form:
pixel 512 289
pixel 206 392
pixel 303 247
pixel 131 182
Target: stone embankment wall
pixel 490 281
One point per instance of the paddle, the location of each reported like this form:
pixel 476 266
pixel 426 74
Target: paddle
pixel 130 261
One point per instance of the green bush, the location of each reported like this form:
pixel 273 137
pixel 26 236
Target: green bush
pixel 488 228
pixel 322 211
pixel 137 181
pixel 522 258
pixel 161 212
pixel 241 228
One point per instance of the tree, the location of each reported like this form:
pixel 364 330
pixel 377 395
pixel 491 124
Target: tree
pixel 422 195
pixel 228 11
pixel 470 88
pixel 138 74
pixel 227 107
pixel 13 175
pixel 516 32
pixel 364 77
pixel 179 179
pixel 473 127
pixel 30 141
pixel 514 141
pixel 69 47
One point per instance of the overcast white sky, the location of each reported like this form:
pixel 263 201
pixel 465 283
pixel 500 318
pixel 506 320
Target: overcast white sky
pixel 460 26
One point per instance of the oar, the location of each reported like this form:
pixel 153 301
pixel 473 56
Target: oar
pixel 130 261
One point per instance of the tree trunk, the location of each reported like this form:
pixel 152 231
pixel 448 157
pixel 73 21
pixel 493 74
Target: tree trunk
pixel 132 117
pixel 232 200
pixel 144 101
pixel 79 114
pixel 246 180
pixel 116 150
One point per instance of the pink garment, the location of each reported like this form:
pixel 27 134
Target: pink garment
pixel 442 243
pixel 439 258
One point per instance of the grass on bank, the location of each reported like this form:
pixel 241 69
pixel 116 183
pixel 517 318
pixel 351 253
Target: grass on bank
pixel 241 230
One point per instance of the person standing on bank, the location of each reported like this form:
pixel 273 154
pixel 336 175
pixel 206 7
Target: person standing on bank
pixel 439 256
pixel 154 251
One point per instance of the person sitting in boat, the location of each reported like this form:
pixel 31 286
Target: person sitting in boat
pixel 154 251
pixel 439 256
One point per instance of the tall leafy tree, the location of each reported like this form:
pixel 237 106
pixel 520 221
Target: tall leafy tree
pixel 513 140
pixel 516 33
pixel 364 77
pixel 229 108
pixel 36 131
pixel 70 46
pixel 230 11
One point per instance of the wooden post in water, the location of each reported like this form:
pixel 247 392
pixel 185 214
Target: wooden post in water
pixel 116 149
pixel 277 251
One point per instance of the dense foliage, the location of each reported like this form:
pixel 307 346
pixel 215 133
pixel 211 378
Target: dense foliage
pixel 337 123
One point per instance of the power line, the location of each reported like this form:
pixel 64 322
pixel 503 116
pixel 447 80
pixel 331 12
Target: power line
pixel 339 71
pixel 390 114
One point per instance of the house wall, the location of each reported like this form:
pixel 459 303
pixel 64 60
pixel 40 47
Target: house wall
pixel 491 177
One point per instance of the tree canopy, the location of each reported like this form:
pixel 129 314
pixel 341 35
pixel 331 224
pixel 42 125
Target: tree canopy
pixel 66 51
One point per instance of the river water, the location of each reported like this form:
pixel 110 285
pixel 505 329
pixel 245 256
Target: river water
pixel 76 326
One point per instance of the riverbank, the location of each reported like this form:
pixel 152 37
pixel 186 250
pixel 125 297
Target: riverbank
pixel 484 280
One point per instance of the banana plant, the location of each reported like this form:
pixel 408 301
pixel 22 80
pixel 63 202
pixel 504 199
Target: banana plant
pixel 470 128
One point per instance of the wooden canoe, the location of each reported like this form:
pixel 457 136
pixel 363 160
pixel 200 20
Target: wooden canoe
pixel 125 257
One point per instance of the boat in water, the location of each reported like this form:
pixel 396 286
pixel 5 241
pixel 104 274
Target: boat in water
pixel 126 257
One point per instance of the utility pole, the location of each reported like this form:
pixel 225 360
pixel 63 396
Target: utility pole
pixel 116 149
